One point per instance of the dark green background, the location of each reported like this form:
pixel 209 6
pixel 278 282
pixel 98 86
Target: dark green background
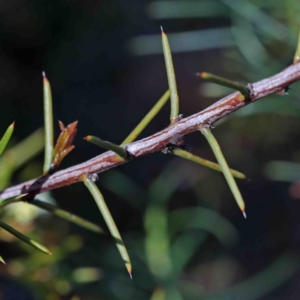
pixel 86 50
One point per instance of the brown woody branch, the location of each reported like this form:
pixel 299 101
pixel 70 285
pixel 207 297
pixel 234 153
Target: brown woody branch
pixel 157 142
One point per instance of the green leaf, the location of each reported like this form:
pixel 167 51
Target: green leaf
pixel 26 149
pixel 297 54
pixel 25 238
pixel 99 199
pixel 2 260
pixel 205 162
pixel 225 82
pixel 171 78
pixel 67 216
pixel 18 155
pixel 11 200
pixel 157 241
pixel 107 145
pixel 6 137
pixel 48 121
pixel 225 169
pixel 146 120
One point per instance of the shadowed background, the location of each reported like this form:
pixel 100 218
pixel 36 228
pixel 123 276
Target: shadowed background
pixel 105 65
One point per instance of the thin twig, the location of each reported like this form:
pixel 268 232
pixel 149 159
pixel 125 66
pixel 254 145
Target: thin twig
pixel 160 140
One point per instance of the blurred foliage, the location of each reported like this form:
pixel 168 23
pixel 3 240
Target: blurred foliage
pixel 185 237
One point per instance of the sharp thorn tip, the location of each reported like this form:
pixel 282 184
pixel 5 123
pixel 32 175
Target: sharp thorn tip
pixel 244 214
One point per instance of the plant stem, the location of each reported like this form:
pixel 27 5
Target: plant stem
pixel 161 139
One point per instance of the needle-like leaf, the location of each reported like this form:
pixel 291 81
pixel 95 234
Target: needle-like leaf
pixel 48 120
pixel 171 78
pixel 25 238
pixel 147 119
pixel 107 145
pixel 6 137
pixel 2 260
pixel 67 216
pixel 18 155
pixel 98 197
pixel 225 82
pixel 11 200
pixel 225 169
pixel 297 54
pixel 26 149
pixel 205 162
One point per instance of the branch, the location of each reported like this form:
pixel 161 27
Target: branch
pixel 157 142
